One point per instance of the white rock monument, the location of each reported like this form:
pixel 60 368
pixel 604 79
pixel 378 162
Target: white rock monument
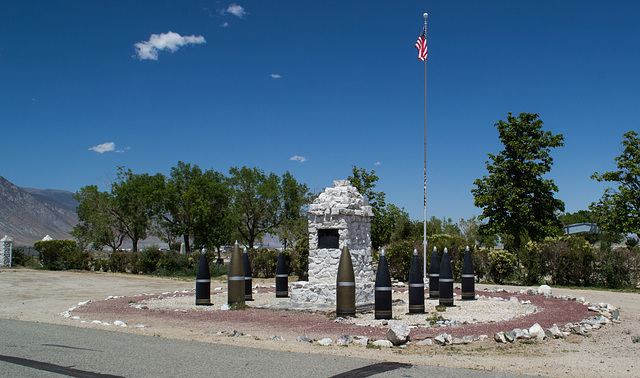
pixel 339 216
pixel 6 245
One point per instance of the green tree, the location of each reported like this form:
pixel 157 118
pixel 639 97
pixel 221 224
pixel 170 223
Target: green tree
pixel 469 229
pixel 97 224
pixel 295 202
pixel 196 206
pixel 135 198
pixel 618 211
pixel 259 205
pixel 213 227
pixel 445 226
pixel 580 216
pixel 515 197
pixel 402 228
pixel 365 182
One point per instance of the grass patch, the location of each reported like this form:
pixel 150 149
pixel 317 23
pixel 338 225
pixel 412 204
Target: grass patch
pixel 435 318
pixel 238 306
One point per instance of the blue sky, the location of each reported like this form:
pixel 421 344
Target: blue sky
pixel 314 87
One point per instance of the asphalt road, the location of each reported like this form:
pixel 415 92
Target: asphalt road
pixel 43 350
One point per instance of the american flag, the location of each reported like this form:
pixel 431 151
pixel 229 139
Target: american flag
pixel 421 44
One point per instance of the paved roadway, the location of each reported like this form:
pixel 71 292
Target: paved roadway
pixel 44 350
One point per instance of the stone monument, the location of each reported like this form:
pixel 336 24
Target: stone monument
pixel 339 216
pixel 6 245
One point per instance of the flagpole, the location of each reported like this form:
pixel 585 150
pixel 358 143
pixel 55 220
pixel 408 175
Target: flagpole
pixel 424 240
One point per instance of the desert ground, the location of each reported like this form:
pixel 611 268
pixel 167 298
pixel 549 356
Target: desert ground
pixel 61 298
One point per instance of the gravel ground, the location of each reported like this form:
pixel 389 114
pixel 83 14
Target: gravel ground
pixel 115 299
pixel 487 309
pixel 481 317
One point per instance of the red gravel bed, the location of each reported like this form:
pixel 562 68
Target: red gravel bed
pixel 550 311
pixel 265 323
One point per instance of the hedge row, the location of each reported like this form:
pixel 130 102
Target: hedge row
pixel 566 260
pixel 571 260
pixel 65 255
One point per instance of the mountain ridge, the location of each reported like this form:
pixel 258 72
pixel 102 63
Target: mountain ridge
pixel 28 214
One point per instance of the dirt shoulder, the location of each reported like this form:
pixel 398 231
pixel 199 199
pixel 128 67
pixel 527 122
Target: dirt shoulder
pixel 41 296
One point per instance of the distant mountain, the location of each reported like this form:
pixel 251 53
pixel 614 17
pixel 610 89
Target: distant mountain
pixel 27 215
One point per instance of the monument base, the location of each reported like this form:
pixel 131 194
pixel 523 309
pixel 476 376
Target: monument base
pixel 312 292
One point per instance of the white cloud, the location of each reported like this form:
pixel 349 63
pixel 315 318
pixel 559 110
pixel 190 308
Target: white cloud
pixel 276 76
pixel 104 147
pixel 236 10
pixel 123 149
pixel 301 159
pixel 225 25
pixel 167 41
pixel 377 163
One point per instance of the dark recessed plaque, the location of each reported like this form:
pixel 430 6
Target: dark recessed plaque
pixel 328 238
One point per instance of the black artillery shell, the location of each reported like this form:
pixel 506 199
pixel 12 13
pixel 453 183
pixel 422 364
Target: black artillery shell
pixel 203 282
pixel 416 286
pixel 446 280
pixel 282 277
pixel 383 305
pixel 248 289
pixel 468 277
pixel 434 275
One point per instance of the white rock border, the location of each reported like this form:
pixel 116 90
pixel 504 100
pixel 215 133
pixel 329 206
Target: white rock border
pixel 607 314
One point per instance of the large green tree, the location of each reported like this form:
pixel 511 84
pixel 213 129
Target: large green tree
pixel 97 224
pixel 135 198
pixel 295 202
pixel 264 203
pixel 196 206
pixel 618 211
pixel 517 201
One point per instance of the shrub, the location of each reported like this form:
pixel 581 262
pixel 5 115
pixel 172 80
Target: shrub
pixel 502 264
pixel 18 257
pixel 615 267
pixel 399 255
pixel 264 262
pixel 62 254
pixel 481 262
pixel 569 259
pixel 172 263
pixel 217 270
pixel 100 264
pixel 121 262
pixel 300 259
pixel 534 263
pixel 148 260
pixel 78 259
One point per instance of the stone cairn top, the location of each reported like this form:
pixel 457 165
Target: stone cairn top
pixel 342 199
